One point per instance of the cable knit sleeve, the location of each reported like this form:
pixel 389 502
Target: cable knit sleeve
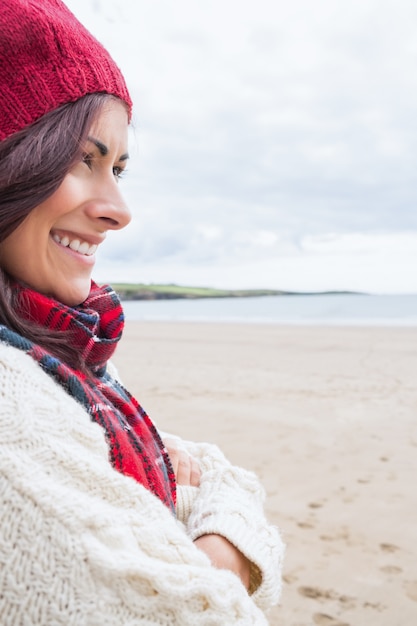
pixel 81 544
pixel 229 502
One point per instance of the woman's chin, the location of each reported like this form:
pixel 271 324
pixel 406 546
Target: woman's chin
pixel 74 295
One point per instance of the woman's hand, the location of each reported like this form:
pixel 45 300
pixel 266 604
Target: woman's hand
pixel 225 555
pixel 222 553
pixel 186 468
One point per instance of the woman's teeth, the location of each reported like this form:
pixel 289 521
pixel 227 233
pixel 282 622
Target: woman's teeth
pixel 76 245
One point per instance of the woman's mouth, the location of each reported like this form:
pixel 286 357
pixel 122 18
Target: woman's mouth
pixel 82 247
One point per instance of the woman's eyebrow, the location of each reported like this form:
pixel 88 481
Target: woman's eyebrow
pixel 103 149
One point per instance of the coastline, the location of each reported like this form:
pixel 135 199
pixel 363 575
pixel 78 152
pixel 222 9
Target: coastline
pixel 323 310
pixel 326 416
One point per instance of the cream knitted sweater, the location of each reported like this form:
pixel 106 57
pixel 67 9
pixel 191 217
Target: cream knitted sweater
pixel 82 545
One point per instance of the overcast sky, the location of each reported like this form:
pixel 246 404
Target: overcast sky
pixel 274 143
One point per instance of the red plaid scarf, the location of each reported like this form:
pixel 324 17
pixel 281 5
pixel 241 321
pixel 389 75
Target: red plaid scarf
pixel 94 328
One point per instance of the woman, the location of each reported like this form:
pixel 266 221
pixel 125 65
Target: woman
pixel 100 522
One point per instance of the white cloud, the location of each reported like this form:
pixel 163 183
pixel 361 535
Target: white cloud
pixel 355 262
pixel 260 128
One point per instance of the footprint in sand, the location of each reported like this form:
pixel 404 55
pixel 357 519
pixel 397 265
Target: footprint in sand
pixel 289 579
pixel 315 505
pixel 315 593
pixel 388 547
pixel 307 525
pixel 411 590
pixel 340 536
pixel 375 606
pixel 391 569
pixel 327 620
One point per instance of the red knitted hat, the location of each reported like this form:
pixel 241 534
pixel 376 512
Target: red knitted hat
pixel 47 58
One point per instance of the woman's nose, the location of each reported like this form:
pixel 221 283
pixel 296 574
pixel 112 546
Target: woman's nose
pixel 110 208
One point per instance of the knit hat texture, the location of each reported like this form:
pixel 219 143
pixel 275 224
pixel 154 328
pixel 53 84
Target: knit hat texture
pixel 48 58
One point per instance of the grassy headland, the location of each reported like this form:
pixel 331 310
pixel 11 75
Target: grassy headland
pixel 129 291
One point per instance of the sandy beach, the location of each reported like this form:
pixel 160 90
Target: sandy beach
pixel 327 417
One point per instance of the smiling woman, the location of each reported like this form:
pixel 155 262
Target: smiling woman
pixel 102 522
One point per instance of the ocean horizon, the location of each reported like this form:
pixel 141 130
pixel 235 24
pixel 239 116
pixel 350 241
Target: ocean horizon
pixel 343 309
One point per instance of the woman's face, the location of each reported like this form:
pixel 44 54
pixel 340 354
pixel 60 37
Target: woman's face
pixel 53 249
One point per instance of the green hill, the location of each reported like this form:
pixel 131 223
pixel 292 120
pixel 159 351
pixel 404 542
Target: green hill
pixel 128 291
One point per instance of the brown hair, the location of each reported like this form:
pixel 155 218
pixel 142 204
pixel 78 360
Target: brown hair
pixel 34 162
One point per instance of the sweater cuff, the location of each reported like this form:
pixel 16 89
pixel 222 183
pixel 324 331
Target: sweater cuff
pixel 186 496
pixel 261 547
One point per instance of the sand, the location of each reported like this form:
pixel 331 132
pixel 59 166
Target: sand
pixel 327 419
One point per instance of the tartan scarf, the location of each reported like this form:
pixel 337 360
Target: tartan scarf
pixel 94 328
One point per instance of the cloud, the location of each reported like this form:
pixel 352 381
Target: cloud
pixel 261 127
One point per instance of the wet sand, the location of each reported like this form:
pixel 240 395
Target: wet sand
pixel 327 417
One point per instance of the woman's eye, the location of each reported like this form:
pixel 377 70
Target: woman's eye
pixel 118 172
pixel 87 159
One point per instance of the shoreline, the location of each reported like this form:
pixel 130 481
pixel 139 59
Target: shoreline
pixel 327 323
pixel 322 311
pixel 326 416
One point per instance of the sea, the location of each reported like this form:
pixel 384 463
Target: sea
pixel 316 309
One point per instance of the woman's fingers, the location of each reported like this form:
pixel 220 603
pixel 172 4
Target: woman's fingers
pixel 186 468
pixel 195 473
